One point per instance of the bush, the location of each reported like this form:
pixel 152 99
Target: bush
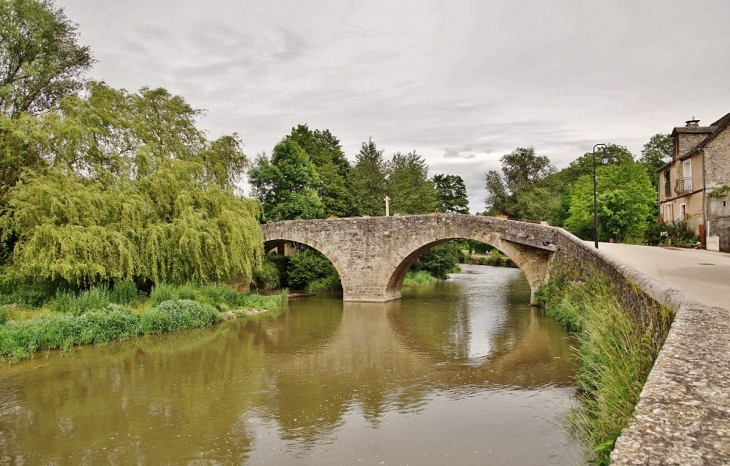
pixel 26 297
pixel 420 277
pixel 309 266
pixel 6 314
pixel 441 260
pixel 178 314
pixel 124 292
pixel 267 277
pixel 676 233
pixel 165 292
pixel 69 302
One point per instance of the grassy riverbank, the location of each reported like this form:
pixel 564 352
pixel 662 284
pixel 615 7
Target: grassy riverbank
pixel 617 350
pixel 100 314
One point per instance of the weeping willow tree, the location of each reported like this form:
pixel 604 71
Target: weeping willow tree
pixel 128 187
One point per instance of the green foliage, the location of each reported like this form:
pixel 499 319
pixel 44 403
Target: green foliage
pixel 408 186
pixel 31 297
pixel 136 192
pixel 420 277
pixel 325 152
pixel 368 181
pixel 96 297
pixel 310 266
pixel 677 233
pixel 495 258
pixel 657 152
pixel 719 192
pixel 521 191
pixel 451 193
pixel 441 260
pixel 626 203
pixel 267 277
pixel 45 332
pixel 6 313
pixel 178 314
pixel 40 60
pixel 617 348
pixel 287 184
pixel 124 292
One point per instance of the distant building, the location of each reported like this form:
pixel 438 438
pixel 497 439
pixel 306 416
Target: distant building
pixel 694 186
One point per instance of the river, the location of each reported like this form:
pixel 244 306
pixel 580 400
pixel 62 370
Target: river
pixel 461 372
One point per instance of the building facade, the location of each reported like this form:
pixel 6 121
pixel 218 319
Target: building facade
pixel 695 185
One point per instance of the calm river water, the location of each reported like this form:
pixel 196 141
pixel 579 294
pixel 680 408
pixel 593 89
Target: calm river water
pixel 462 372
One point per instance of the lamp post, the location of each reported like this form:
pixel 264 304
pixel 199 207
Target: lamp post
pixel 604 161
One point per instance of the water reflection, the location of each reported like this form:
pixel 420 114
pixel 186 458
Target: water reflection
pixel 322 381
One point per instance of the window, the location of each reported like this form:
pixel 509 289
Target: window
pixel 667 184
pixel 668 213
pixel 682 211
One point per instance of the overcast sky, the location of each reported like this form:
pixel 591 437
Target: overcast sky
pixel 462 82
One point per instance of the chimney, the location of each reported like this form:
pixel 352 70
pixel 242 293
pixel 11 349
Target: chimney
pixel 692 123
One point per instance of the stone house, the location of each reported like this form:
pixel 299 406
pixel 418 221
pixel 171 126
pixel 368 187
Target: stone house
pixel 694 186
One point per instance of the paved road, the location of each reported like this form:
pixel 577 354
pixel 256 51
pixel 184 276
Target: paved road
pixel 704 276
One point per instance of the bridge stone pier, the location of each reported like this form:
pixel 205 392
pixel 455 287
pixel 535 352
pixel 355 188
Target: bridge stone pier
pixel 373 254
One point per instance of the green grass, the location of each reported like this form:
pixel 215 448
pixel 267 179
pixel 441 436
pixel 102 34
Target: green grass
pixel 420 277
pixel 92 317
pixel 616 348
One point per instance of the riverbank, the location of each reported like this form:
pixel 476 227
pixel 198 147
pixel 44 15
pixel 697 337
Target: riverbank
pixel 617 349
pixel 100 315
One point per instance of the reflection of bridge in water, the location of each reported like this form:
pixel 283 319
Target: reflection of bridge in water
pixel 303 372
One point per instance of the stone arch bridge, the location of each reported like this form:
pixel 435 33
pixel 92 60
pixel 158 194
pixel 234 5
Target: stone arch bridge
pixel 373 254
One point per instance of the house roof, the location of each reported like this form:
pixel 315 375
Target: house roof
pixel 718 126
pixel 712 131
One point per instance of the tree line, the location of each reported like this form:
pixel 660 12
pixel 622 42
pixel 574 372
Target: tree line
pixel 529 187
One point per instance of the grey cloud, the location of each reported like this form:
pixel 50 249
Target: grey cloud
pixel 450 153
pixel 374 57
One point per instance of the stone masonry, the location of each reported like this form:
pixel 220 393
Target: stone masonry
pixel 373 254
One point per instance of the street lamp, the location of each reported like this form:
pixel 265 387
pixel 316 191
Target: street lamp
pixel 604 161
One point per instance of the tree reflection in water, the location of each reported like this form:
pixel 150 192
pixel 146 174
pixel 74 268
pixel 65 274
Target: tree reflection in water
pixel 299 379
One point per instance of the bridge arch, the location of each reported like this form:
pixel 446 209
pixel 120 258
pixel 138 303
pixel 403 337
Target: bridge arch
pixel 373 254
pixel 535 275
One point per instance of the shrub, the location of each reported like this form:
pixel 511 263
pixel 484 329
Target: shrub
pixel 267 277
pixel 677 233
pixel 309 266
pixel 68 302
pixel 441 260
pixel 27 297
pixel 124 292
pixel 6 314
pixel 178 314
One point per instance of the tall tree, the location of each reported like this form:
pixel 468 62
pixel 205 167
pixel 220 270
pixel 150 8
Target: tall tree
pixel 40 64
pixel 40 59
pixel 408 185
pixel 325 152
pixel 368 181
pixel 626 203
pixel 522 170
pixel 129 191
pixel 287 184
pixel 451 192
pixel 658 151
